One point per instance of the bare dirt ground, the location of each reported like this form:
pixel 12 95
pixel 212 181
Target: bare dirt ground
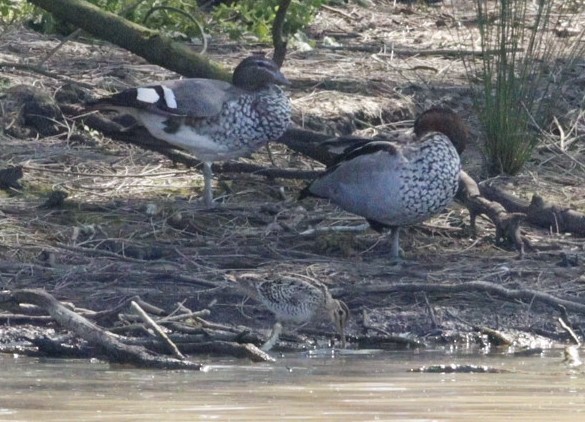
pixel 131 224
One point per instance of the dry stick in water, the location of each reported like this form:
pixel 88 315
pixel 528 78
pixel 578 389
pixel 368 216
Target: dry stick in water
pixel 569 330
pixel 114 349
pixel 159 331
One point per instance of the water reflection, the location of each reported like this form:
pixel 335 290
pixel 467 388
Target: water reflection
pixel 320 386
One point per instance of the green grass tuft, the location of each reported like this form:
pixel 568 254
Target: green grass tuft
pixel 521 71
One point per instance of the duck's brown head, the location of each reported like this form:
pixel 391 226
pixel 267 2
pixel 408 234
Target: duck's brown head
pixel 444 120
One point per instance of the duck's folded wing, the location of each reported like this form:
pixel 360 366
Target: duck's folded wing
pixel 358 172
pixel 340 147
pixel 197 98
pixel 367 149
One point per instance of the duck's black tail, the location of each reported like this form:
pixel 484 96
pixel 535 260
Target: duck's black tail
pixel 305 193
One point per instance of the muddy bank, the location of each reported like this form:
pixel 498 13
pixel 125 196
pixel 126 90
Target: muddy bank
pixel 127 222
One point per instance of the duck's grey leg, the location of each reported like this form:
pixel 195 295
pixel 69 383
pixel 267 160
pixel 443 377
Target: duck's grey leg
pixel 395 243
pixel 207 188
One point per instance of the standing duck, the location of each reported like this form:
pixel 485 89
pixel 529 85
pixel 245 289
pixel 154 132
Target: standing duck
pixel 295 300
pixel 394 185
pixel 212 119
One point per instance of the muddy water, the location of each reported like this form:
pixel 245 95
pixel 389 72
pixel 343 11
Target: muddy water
pixel 320 386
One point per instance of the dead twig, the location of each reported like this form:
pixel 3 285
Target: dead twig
pixel 414 52
pixel 431 312
pixel 338 11
pixel 180 317
pixel 507 223
pixel 193 344
pixel 158 330
pixel 64 41
pixel 44 72
pixel 226 348
pixel 570 331
pixel 524 295
pixel 24 319
pixel 111 347
pixel 538 212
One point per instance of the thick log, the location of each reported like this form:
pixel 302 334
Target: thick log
pixel 278 39
pixel 507 224
pixel 138 39
pixel 556 218
pixel 107 343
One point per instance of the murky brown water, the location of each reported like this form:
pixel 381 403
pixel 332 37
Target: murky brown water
pixel 354 387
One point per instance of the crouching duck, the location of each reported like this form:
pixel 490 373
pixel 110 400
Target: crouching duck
pixel 394 185
pixel 212 119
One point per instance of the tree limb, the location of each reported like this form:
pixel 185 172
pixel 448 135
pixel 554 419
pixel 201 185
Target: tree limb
pixel 158 330
pixel 507 224
pixel 278 39
pixel 139 136
pixel 539 212
pixel 142 41
pixel 525 295
pixel 113 348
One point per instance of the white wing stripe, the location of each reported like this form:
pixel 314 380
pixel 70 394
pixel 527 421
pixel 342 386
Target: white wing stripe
pixel 169 97
pixel 147 95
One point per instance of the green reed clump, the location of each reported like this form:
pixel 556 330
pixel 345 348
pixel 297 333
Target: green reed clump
pixel 521 70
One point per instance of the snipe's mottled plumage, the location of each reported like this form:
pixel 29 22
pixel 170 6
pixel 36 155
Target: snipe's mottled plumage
pixel 394 185
pixel 212 119
pixel 296 300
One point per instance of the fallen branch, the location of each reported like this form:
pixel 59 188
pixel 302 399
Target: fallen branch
pixel 158 330
pixel 193 344
pixel 569 331
pixel 57 348
pixel 539 212
pixel 112 348
pixel 525 295
pixel 24 319
pixel 112 313
pixel 278 41
pixel 507 224
pixel 385 48
pixel 144 42
pixel 388 341
pixel 42 71
pixel 225 348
